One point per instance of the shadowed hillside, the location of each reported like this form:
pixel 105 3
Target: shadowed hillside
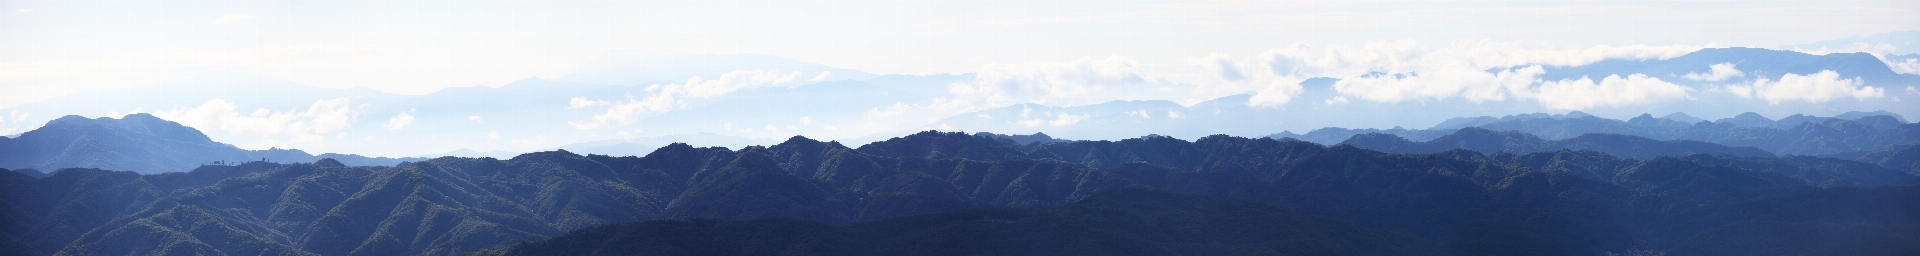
pixel 1459 202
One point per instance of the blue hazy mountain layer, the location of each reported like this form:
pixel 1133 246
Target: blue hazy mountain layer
pixel 141 143
pixel 1792 135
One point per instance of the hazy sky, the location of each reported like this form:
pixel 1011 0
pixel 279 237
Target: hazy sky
pixel 1476 57
pixel 50 48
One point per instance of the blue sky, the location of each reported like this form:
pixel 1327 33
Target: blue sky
pixel 1058 53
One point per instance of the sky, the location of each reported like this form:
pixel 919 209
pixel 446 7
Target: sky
pixel 1046 52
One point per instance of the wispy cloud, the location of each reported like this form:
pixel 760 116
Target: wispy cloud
pixel 667 97
pixel 321 119
pixel 582 102
pixel 1044 82
pixel 231 18
pixel 1395 71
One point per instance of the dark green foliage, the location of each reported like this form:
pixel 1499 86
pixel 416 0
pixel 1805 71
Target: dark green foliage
pixel 1243 196
pixel 1905 158
pixel 1118 222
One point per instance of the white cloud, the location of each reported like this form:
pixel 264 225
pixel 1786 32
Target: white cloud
pixel 1909 66
pixel 983 116
pixel 1873 48
pixel 493 134
pixel 1611 91
pixel 400 121
pixel 1716 73
pixel 824 75
pixel 806 121
pixel 667 97
pixel 13 125
pixel 1816 88
pixel 1173 114
pixel 1412 72
pixel 1064 119
pixel 898 108
pixel 581 102
pixel 1473 85
pixel 232 18
pixel 1059 119
pixel 1140 113
pixel 1074 82
pixel 321 119
pixel 476 119
pixel 1335 100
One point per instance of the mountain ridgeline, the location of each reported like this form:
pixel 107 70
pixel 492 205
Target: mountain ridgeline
pixel 955 193
pixel 141 143
pixel 1845 135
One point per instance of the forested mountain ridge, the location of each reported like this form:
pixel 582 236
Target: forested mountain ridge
pixel 140 143
pixel 1792 135
pixel 1460 202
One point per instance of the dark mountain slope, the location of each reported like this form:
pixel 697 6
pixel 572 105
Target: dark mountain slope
pixel 1119 222
pixel 140 143
pixel 1898 157
pixel 1462 202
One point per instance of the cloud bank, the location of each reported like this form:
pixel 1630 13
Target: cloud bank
pixel 1814 88
pixel 310 127
pixel 667 97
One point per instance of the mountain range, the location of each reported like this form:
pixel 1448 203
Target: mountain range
pixel 1792 135
pixel 142 143
pixel 981 193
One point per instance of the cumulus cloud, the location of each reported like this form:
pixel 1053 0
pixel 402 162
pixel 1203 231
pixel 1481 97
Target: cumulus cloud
pixel 1140 113
pixel 1611 91
pixel 400 121
pixel 1715 73
pixel 1908 65
pixel 12 122
pixel 231 18
pixel 1006 84
pixel 1815 88
pixel 321 119
pixel 824 75
pixel 667 97
pixel 1473 85
pixel 476 119
pixel 1404 70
